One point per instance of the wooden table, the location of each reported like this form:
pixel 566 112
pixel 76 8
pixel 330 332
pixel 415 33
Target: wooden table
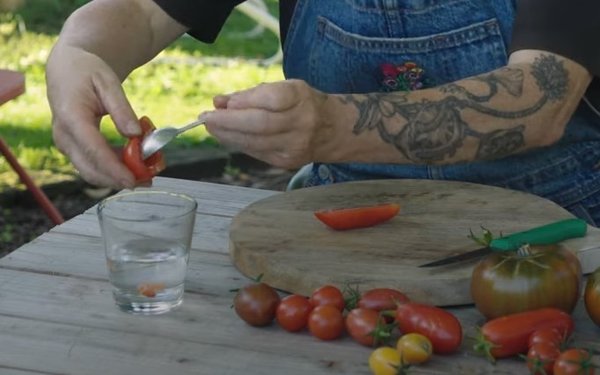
pixel 57 315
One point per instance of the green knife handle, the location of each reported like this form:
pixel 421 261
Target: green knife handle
pixel 544 235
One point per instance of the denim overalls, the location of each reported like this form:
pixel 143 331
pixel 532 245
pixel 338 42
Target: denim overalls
pixel 338 46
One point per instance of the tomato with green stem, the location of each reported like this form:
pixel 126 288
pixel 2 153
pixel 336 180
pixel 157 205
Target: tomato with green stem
pixel 440 326
pixel 534 277
pixel 357 217
pixel 292 312
pixel 592 296
pixel 367 327
pixel 541 357
pixel 386 361
pixel 508 335
pixel 326 322
pixel 143 169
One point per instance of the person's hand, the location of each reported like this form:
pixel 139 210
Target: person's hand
pixel 82 89
pixel 282 123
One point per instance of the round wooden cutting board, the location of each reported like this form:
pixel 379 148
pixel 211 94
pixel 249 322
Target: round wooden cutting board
pixel 280 237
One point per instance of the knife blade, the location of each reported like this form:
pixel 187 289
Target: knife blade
pixel 542 235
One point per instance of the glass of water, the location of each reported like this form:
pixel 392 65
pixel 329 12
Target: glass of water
pixel 147 237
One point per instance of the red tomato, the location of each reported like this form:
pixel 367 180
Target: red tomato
pixel 504 283
pixel 143 170
pixel 438 325
pixel 382 299
pixel 326 322
pixel 592 296
pixel 365 326
pixel 550 335
pixel 292 312
pixel 541 357
pixel 574 362
pixel 509 335
pixel 328 295
pixel 357 217
pixel 256 304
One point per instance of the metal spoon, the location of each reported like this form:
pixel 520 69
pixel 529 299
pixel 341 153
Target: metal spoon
pixel 160 137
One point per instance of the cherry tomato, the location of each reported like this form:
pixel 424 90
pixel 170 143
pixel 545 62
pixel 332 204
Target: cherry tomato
pixel 438 325
pixel 504 283
pixel 326 322
pixel 292 312
pixel 328 295
pixel 143 170
pixel 357 217
pixel 509 335
pixel 414 348
pixel 592 296
pixel 574 361
pixel 384 361
pixel 541 357
pixel 365 326
pixel 381 299
pixel 256 304
pixel 550 335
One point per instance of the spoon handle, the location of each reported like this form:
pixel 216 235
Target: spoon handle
pixel 191 125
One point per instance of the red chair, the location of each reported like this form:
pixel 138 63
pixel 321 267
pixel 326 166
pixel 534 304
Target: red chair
pixel 12 84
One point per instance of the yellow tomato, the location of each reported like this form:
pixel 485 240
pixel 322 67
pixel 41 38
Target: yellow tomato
pixel 384 361
pixel 414 348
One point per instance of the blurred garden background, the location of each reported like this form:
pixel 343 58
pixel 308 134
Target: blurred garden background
pixel 172 89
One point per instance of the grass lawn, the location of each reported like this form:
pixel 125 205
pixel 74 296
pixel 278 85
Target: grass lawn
pixel 172 89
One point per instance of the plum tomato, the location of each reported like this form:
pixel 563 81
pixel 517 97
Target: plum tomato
pixel 592 296
pixel 292 312
pixel 256 304
pixel 328 295
pixel 381 299
pixel 326 322
pixel 505 283
pixel 414 348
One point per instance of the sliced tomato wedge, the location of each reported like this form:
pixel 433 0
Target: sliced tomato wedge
pixel 357 217
pixel 143 170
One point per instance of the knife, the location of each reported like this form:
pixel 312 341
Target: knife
pixel 542 235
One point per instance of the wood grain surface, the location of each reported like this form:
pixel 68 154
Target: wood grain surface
pixel 280 238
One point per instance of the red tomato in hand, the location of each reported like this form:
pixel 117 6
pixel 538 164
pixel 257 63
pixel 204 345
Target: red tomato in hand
pixel 541 357
pixel 328 295
pixel 592 296
pixel 292 312
pixel 365 325
pixel 326 322
pixel 256 304
pixel 357 217
pixel 574 362
pixel 505 283
pixel 382 299
pixel 438 325
pixel 143 170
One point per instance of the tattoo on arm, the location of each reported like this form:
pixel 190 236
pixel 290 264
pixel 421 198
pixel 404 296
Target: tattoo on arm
pixel 435 130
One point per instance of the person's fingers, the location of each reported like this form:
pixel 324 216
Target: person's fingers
pixel 275 97
pixel 115 103
pixel 252 121
pixel 220 101
pixel 90 153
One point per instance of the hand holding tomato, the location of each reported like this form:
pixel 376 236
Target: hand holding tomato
pixel 143 169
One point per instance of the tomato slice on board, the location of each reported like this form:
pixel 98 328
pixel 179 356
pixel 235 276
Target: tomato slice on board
pixel 357 217
pixel 143 170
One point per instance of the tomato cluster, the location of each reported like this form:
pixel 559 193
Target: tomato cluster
pixel 369 318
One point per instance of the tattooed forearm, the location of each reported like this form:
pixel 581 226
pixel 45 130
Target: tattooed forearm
pixel 436 129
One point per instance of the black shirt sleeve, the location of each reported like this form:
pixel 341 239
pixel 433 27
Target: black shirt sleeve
pixel 204 17
pixel 567 28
